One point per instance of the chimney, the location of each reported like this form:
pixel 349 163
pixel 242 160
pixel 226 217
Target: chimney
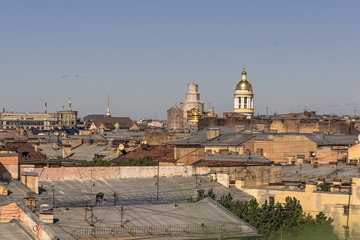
pixel 36 147
pixel 56 146
pixel 31 180
pixel 22 132
pixel 238 128
pixel 46 215
pixel 260 152
pixel 247 151
pixel 66 150
pixel 212 133
pixel 224 152
pixel 3 189
pixel 30 200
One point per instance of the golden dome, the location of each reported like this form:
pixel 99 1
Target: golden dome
pixel 244 84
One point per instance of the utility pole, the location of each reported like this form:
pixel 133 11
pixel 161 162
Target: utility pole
pixel 196 180
pixel 86 209
pixel 115 198
pixel 92 216
pixel 157 183
pixel 122 212
pixel 280 221
pixel 53 195
pixel 91 188
pixel 346 228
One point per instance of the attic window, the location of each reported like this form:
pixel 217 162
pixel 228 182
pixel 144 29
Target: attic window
pixel 25 154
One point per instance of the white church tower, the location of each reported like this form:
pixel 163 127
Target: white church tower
pixel 244 97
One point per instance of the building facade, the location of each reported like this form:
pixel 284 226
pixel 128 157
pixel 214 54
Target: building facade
pixel 187 115
pixel 39 121
pixel 192 102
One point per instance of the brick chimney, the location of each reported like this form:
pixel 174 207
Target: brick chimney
pixel 260 152
pixel 30 200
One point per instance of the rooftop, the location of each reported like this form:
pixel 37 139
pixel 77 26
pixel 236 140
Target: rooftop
pixel 309 171
pixel 166 221
pixel 136 191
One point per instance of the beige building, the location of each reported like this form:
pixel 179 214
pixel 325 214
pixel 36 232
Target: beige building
pixel 354 153
pixel 342 206
pixel 40 121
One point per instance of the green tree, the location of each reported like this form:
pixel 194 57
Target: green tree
pixel 145 161
pixel 95 162
pixel 288 219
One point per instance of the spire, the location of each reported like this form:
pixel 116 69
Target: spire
pixel 108 107
pixel 70 104
pixel 243 74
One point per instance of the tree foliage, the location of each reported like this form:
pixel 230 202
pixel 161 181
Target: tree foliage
pixel 95 162
pixel 145 161
pixel 98 162
pixel 287 219
pixel 275 219
pixel 201 195
pixel 324 187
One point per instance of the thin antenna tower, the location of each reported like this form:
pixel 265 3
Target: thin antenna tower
pixel 157 183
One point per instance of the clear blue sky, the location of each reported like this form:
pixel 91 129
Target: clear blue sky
pixel 145 53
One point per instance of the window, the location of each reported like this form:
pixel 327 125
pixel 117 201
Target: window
pixel 245 102
pixel 239 102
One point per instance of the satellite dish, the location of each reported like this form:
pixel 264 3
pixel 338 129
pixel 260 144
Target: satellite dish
pixel 121 146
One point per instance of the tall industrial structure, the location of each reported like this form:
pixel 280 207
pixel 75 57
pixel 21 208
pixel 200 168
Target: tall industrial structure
pixel 187 115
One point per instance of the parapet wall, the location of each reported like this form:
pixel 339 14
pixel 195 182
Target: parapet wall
pixel 87 173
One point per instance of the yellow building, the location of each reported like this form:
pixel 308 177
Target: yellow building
pixel 341 206
pixel 354 153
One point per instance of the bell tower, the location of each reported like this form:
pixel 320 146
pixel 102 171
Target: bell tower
pixel 244 97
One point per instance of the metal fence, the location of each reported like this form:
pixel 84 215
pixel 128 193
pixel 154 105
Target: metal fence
pixel 156 230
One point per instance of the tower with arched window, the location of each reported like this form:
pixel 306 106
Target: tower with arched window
pixel 244 97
